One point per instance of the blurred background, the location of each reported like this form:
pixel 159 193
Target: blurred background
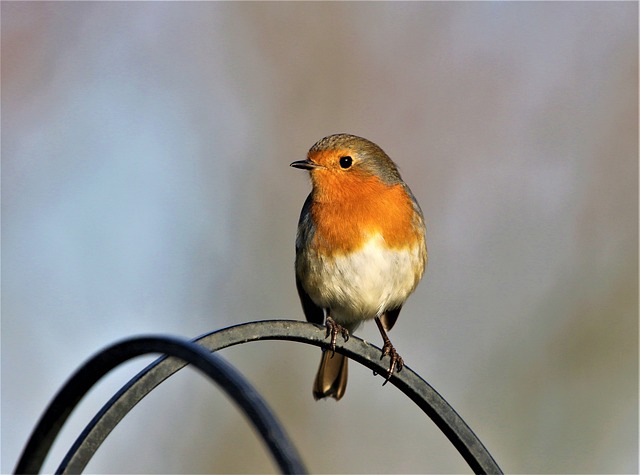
pixel 146 189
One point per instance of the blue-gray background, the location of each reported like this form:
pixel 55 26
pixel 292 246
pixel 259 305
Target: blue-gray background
pixel 146 189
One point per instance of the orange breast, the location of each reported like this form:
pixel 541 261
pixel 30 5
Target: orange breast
pixel 349 209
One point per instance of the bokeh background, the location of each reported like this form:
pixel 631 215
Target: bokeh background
pixel 146 189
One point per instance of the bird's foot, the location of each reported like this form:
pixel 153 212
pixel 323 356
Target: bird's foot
pixel 333 329
pixel 397 363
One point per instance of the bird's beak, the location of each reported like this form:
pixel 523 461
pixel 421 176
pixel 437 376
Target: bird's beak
pixel 305 165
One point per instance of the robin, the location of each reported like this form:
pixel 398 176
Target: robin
pixel 360 248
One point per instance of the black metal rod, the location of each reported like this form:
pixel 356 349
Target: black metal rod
pixel 229 379
pixel 418 390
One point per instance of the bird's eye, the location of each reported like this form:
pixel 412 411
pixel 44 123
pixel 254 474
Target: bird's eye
pixel 345 162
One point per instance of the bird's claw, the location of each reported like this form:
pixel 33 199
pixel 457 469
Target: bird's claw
pixel 397 363
pixel 333 329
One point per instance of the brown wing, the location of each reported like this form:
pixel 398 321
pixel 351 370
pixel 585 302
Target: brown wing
pixel 389 318
pixel 312 312
pixel 306 229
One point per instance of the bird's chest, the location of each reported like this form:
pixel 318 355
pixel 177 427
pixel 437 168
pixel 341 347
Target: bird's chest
pixel 363 255
pixel 347 223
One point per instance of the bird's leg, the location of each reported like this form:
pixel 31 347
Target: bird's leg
pixel 333 329
pixel 397 362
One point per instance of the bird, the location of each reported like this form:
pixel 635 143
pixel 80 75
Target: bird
pixel 360 249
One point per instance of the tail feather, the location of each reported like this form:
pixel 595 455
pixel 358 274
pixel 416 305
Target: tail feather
pixel 331 380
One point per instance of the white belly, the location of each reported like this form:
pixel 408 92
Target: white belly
pixel 365 283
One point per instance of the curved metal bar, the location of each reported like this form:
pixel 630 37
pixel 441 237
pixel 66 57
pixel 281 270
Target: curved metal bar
pixel 227 377
pixel 418 390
